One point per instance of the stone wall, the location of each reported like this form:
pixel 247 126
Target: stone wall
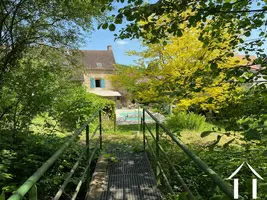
pixel 98 74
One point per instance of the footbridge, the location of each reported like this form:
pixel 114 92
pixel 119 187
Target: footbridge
pixel 127 175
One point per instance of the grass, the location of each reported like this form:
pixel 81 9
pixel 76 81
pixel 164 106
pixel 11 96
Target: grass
pixel 130 137
pixel 208 134
pixel 122 143
pixel 126 134
pixel 195 138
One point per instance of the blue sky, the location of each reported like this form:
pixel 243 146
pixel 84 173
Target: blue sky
pixel 100 39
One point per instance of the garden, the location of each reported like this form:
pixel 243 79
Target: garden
pixel 202 66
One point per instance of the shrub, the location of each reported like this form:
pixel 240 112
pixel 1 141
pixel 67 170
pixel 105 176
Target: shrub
pixel 77 106
pixel 182 120
pixel 21 159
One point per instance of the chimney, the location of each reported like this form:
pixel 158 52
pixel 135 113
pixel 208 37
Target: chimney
pixel 109 48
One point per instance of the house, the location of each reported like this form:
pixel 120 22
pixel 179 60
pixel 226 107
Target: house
pixel 256 69
pixel 98 65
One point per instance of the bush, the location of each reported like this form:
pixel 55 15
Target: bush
pixel 182 120
pixel 21 159
pixel 77 106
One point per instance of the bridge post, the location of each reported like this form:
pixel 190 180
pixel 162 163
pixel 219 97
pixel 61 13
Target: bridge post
pixel 2 196
pixel 87 142
pixel 157 139
pixel 144 129
pixel 100 129
pixel 87 154
pixel 33 193
pixel 115 123
pixel 157 170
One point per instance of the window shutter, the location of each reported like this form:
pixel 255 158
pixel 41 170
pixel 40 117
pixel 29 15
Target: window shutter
pixel 92 82
pixel 102 83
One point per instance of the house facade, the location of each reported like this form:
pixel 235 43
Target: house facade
pixel 98 66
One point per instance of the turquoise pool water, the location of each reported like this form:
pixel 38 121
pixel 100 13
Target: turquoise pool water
pixel 133 116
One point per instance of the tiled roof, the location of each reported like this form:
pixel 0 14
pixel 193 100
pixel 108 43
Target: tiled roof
pixel 77 77
pixel 255 67
pixel 243 57
pixel 101 59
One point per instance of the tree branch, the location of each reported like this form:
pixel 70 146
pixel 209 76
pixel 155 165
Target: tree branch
pixel 238 11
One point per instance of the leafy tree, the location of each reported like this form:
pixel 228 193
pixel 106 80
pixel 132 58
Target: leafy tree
pixel 178 73
pixel 31 89
pixel 36 67
pixel 41 87
pixel 125 80
pixel 237 17
pixel 33 22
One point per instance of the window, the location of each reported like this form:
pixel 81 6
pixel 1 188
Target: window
pixel 97 84
pixel 99 64
pixel 92 82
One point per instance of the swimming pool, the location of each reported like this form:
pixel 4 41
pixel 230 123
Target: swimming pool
pixel 131 117
pixel 134 116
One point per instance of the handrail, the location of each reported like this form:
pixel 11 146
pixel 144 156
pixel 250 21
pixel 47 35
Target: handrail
pixel 30 182
pixel 63 186
pixel 84 173
pixel 180 179
pixel 201 164
pixel 160 167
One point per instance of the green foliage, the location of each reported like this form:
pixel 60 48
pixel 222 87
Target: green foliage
pixel 246 113
pixel 179 73
pixel 77 106
pixel 224 161
pixel 42 87
pixel 238 18
pixel 61 24
pixel 33 87
pixel 6 157
pixel 182 120
pixel 125 80
pixel 36 67
pixel 21 158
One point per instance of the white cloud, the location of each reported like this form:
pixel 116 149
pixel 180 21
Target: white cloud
pixel 122 42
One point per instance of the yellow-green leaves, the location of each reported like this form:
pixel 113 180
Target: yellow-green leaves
pixel 183 72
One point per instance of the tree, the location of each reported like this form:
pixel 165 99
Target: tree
pixel 237 17
pixel 26 23
pixel 178 73
pixel 38 39
pixel 27 71
pixel 125 80
pixel 31 89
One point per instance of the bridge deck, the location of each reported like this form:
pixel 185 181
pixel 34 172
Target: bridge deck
pixel 131 178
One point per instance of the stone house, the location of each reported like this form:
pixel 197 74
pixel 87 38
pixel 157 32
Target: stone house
pixel 98 65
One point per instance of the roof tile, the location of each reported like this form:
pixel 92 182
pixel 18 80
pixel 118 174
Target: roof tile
pixel 92 57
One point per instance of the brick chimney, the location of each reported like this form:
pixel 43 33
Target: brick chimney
pixel 109 48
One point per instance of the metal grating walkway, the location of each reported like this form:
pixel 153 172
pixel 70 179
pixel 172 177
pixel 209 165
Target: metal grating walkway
pixel 131 178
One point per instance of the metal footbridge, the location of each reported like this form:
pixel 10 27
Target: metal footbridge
pixel 132 176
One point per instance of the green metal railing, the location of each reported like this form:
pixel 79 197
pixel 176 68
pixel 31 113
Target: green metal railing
pixel 160 151
pixel 29 186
